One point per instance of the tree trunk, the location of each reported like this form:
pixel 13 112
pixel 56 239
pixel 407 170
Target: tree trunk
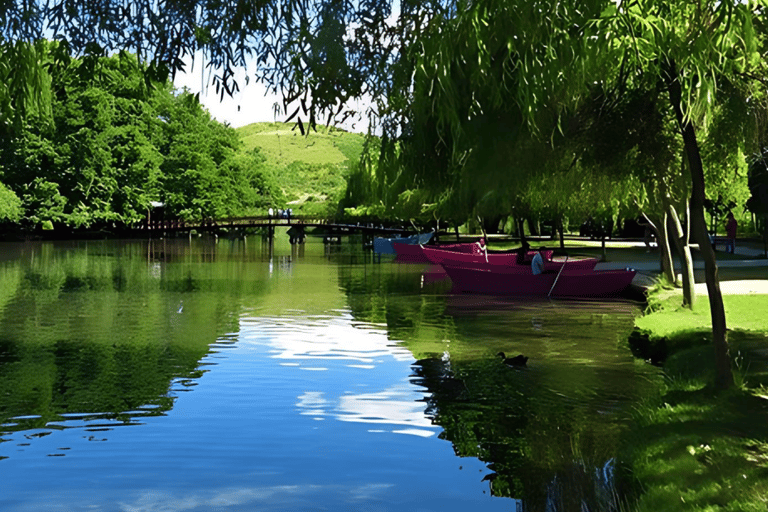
pixel 665 265
pixel 665 257
pixel 684 250
pixel 520 228
pixel 665 254
pixel 724 376
pixel 765 235
pixel 533 227
pixel 560 230
pixel 604 257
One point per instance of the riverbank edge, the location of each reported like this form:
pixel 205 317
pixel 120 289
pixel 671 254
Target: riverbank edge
pixel 691 447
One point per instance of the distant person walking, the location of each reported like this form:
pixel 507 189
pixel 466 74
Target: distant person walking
pixel 730 231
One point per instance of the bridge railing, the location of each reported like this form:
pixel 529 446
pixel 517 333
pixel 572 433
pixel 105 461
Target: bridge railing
pixel 259 221
pixel 252 221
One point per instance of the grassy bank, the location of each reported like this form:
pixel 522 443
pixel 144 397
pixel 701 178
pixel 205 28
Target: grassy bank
pixel 693 448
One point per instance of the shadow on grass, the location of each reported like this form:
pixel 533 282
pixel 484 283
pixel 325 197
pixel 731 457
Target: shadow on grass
pixel 694 448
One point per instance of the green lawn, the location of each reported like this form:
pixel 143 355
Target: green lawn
pixel 741 312
pixel 283 145
pixel 693 447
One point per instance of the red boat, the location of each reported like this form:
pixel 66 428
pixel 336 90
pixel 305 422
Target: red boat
pixel 477 258
pixel 412 253
pixel 513 280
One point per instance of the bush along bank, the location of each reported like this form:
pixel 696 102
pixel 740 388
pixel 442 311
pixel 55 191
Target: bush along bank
pixel 692 447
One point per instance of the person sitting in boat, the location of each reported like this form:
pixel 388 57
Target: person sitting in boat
pixel 522 253
pixel 537 264
pixel 482 249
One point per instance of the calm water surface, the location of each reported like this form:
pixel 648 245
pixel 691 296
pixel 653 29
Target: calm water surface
pixel 196 376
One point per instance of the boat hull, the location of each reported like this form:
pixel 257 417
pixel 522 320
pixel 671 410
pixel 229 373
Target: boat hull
pixel 384 245
pixel 570 283
pixel 477 259
pixel 413 253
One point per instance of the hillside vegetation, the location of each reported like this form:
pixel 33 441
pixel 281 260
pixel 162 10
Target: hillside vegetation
pixel 311 169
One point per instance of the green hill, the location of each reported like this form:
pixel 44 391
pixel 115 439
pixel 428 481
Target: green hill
pixel 311 169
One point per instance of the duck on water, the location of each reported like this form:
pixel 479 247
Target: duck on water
pixel 518 360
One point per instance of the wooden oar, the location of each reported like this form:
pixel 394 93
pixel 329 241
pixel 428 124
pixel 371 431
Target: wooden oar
pixel 558 276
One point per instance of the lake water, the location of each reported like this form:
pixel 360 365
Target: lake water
pixel 186 375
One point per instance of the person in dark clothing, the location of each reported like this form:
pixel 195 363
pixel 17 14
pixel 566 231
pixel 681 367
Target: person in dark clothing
pixel 522 253
pixel 730 230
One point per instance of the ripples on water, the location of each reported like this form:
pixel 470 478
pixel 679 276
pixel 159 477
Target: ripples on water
pixel 217 378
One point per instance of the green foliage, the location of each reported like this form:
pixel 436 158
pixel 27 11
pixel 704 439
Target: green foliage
pixel 10 205
pixel 25 87
pixel 116 143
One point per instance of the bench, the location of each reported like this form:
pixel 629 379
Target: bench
pixel 715 240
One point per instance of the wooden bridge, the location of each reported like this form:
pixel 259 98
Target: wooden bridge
pixel 269 222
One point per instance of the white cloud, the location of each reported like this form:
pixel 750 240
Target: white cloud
pixel 252 104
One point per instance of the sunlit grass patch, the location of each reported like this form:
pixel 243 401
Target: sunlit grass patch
pixel 669 315
pixel 679 414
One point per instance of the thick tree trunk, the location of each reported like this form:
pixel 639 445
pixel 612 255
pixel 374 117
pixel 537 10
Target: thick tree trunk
pixel 684 250
pixel 724 376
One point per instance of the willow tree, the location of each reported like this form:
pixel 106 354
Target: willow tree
pixel 692 48
pixel 555 52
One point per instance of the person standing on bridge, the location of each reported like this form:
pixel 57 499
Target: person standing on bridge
pixel 271 212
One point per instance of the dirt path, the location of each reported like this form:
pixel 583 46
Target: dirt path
pixel 738 287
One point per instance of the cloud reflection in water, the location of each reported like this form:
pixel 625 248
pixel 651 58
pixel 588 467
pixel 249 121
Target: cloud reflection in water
pixel 340 345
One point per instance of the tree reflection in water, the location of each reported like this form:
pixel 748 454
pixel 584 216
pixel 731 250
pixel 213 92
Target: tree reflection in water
pixel 551 431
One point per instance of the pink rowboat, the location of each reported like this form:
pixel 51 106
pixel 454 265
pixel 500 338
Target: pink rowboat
pixel 502 258
pixel 512 281
pixel 412 253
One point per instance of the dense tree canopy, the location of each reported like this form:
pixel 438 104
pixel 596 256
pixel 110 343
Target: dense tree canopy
pixel 114 143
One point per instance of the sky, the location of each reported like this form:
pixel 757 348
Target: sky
pixel 251 105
